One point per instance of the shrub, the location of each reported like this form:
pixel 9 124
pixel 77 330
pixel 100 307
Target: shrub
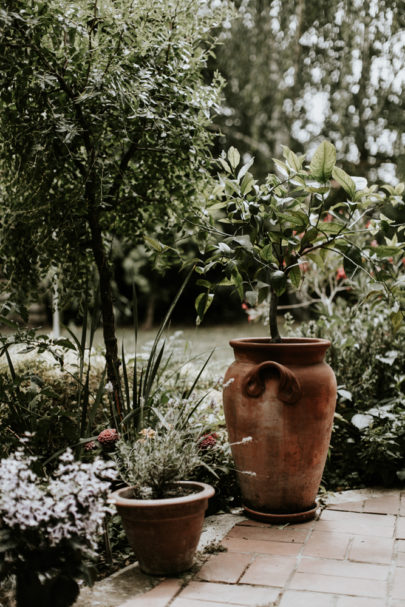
pixel 50 526
pixel 368 357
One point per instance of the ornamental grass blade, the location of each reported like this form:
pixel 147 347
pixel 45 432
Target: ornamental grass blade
pixel 127 402
pixel 190 391
pixel 152 370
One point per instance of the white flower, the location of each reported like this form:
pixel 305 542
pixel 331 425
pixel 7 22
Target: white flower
pixel 228 383
pixel 246 439
pixel 70 506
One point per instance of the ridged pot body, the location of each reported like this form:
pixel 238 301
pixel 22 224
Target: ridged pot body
pixel 279 402
pixel 164 533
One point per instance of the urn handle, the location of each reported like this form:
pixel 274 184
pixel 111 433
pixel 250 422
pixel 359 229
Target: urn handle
pixel 289 389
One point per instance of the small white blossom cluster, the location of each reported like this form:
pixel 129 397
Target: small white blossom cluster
pixel 70 505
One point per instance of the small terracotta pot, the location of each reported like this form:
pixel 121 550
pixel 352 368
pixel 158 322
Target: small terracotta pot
pixel 279 412
pixel 164 533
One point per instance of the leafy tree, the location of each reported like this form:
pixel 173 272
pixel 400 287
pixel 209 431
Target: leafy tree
pixel 103 131
pixel 299 71
pixel 262 236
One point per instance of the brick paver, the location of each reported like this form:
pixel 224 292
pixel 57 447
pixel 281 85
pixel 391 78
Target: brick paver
pixel 250 596
pixel 353 556
pixel 400 531
pixel 402 507
pixel 388 504
pixel 224 567
pixel 297 533
pixel 398 586
pixel 179 602
pixel 356 601
pixel 159 596
pixel 294 598
pixel 234 544
pixel 269 571
pixel 327 545
pixel 343 568
pixel 338 585
pixel 371 549
pixel 357 523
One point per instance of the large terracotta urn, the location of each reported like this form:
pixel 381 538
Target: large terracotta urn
pixel 279 401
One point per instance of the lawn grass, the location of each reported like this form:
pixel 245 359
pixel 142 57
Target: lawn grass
pixel 198 341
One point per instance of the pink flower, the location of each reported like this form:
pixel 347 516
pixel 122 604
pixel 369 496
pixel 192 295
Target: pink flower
pixel 244 306
pixel 328 218
pixel 107 438
pixel 374 244
pixel 340 274
pixel 304 267
pixel 90 446
pixel 208 441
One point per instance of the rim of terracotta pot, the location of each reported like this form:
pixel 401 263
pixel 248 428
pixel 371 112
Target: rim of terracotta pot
pixel 205 491
pixel 308 350
pixel 265 342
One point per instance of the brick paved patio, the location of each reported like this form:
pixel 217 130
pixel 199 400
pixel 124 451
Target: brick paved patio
pixel 353 556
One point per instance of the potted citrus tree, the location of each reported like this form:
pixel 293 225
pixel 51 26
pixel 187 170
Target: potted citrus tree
pixel 280 393
pixel 162 512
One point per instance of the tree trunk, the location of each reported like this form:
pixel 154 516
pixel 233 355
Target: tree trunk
pixel 274 332
pixel 150 312
pixel 107 308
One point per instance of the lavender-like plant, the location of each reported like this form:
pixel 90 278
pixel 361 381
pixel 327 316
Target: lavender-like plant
pixel 49 527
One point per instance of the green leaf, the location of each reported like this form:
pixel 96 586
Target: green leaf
pixel 217 205
pixel 226 282
pixel 231 187
pixel 244 241
pixel 295 276
pixel 323 161
pixel 238 282
pixel 310 236
pixel 278 281
pixel 65 343
pixel 267 253
pixel 397 318
pixel 316 187
pixel 298 219
pixel 203 283
pixel 384 251
pixel 344 180
pixel 293 160
pixel 9 323
pixel 233 157
pixel 225 165
pixel 202 303
pixel 330 227
pixel 317 259
pixel 155 244
pixel 283 168
pixel 245 169
pixel 247 184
